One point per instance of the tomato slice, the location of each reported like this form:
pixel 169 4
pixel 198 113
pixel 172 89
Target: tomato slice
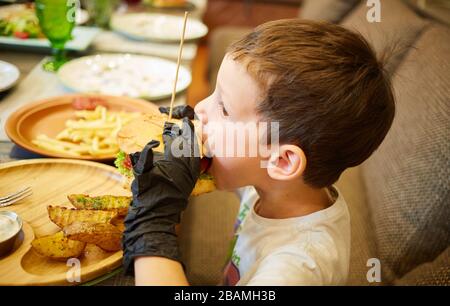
pixel 127 162
pixel 21 35
pixel 88 103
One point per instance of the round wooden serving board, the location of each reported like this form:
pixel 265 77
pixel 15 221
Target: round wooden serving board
pixel 51 181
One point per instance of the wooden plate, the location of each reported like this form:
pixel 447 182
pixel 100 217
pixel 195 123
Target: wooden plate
pixel 49 117
pixel 51 181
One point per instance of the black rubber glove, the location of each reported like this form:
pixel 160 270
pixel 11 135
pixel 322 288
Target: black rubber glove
pixel 179 112
pixel 161 188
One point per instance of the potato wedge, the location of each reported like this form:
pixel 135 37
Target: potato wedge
pixel 119 223
pixel 58 247
pixel 105 235
pixel 106 202
pixel 63 216
pixel 93 253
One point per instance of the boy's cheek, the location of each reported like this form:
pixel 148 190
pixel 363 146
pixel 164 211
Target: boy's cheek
pixel 231 173
pixel 221 170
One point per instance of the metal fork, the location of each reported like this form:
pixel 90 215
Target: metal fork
pixel 15 197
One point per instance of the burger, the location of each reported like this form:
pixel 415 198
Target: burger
pixel 135 135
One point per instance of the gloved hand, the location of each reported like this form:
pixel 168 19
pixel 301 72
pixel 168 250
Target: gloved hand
pixel 179 112
pixel 161 187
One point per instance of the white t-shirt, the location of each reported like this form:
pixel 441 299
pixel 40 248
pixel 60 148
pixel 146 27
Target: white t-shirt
pixel 308 250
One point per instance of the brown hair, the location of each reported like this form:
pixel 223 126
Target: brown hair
pixel 325 87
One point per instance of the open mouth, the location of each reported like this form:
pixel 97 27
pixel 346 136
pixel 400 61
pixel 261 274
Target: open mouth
pixel 205 164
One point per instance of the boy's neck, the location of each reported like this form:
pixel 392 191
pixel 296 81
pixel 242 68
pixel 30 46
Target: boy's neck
pixel 289 200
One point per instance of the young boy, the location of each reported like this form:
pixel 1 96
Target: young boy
pixel 334 105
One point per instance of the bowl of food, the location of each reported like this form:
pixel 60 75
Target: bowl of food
pixel 10 227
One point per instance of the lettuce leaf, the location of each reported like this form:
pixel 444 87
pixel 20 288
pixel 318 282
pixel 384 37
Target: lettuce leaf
pixel 119 163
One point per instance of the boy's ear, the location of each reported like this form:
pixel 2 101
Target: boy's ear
pixel 287 164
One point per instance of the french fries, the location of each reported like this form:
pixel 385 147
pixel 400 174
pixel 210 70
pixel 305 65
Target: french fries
pixel 92 133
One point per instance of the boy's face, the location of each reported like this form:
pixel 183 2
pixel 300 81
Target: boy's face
pixel 233 101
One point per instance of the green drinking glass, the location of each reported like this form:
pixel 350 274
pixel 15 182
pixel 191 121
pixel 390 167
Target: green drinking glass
pixel 56 19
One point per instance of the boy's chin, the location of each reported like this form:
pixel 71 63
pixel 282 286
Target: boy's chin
pixel 221 179
pixel 222 184
pixel 218 180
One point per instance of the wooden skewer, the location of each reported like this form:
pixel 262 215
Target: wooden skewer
pixel 180 51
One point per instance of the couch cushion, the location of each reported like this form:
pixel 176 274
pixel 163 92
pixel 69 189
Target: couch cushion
pixel 326 10
pixel 408 178
pixel 205 235
pixel 363 245
pixel 398 29
pixel 434 273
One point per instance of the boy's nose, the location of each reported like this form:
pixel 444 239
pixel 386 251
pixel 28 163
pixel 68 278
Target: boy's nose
pixel 200 111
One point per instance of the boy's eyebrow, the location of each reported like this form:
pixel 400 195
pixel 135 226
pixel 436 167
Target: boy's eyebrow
pixel 218 86
pixel 222 93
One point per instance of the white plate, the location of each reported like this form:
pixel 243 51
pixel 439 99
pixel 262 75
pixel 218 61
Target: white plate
pixel 157 27
pixel 135 76
pixel 82 38
pixel 9 74
pixel 82 16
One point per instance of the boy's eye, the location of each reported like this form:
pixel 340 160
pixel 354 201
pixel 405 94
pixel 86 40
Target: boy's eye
pixel 224 111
